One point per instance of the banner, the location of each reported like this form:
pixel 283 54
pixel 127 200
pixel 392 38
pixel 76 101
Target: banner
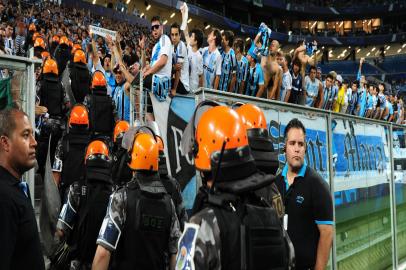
pixel 172 117
pixel 362 167
pixel 102 32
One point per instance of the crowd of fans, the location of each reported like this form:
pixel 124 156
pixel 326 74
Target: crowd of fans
pixel 343 4
pixel 262 71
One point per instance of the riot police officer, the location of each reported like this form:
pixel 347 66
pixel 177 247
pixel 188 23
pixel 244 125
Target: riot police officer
pixel 236 228
pixel 122 173
pixel 51 96
pixel 84 209
pixel 69 163
pixel 76 78
pixel 141 226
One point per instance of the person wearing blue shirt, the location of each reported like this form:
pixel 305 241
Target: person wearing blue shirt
pixel 353 99
pixel 229 63
pixel 329 91
pixel 255 80
pixel 389 115
pixel 308 202
pixel 313 87
pixel 120 96
pixel 242 66
pixel 381 106
pixel 212 60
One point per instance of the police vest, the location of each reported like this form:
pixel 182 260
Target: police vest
pixel 250 228
pixel 251 233
pixel 96 188
pixel 80 81
pixel 74 146
pixel 62 55
pixel 146 230
pixel 51 95
pixel 101 113
pixel 121 172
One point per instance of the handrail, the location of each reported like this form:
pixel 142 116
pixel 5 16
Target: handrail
pixel 295 107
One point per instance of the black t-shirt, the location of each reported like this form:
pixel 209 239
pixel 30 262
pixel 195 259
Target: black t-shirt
pixel 308 203
pixel 20 246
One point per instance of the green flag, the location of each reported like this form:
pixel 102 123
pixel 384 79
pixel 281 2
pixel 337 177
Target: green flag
pixel 5 93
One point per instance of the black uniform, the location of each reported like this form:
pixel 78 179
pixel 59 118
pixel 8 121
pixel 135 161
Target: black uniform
pixel 308 203
pixel 20 248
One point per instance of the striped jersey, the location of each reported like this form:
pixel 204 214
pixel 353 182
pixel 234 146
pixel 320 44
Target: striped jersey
pixel 228 69
pixel 242 72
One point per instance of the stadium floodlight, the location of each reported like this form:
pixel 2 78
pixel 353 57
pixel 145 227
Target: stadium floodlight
pixel 207 27
pixel 341 24
pixel 188 21
pixel 399 50
pixel 368 54
pixel 290 33
pixel 373 49
pixel 349 47
pixel 404 45
pixel 148 7
pixel 291 51
pixel 222 31
pixel 165 22
pixel 322 48
pixel 128 1
pixel 172 15
pixel 142 14
pixel 94 2
pixel 388 47
pixel 358 50
pixel 345 51
pixel 247 39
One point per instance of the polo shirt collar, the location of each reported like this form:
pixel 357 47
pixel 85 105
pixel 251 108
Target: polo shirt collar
pixel 8 177
pixel 301 173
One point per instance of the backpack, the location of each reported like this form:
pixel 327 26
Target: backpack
pixel 80 81
pixel 101 114
pixel 51 95
pixel 95 189
pixel 252 229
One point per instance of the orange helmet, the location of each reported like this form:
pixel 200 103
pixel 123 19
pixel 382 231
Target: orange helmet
pixel 213 131
pixel 45 54
pixel 32 27
pixel 98 79
pixel 50 66
pixel 252 116
pixel 39 42
pixel 97 149
pixel 78 116
pixel 64 40
pixel 79 57
pixel 144 153
pixel 76 47
pixel 120 128
pixel 55 39
pixel 35 36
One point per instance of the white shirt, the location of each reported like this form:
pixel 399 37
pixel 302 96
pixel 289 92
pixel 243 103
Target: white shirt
pixel 163 47
pixel 182 54
pixel 286 84
pixel 211 66
pixel 195 68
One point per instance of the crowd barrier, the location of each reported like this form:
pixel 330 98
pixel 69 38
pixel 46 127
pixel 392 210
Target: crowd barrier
pixel 363 161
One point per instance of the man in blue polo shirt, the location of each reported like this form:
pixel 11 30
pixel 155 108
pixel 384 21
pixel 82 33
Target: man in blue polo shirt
pixel 308 203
